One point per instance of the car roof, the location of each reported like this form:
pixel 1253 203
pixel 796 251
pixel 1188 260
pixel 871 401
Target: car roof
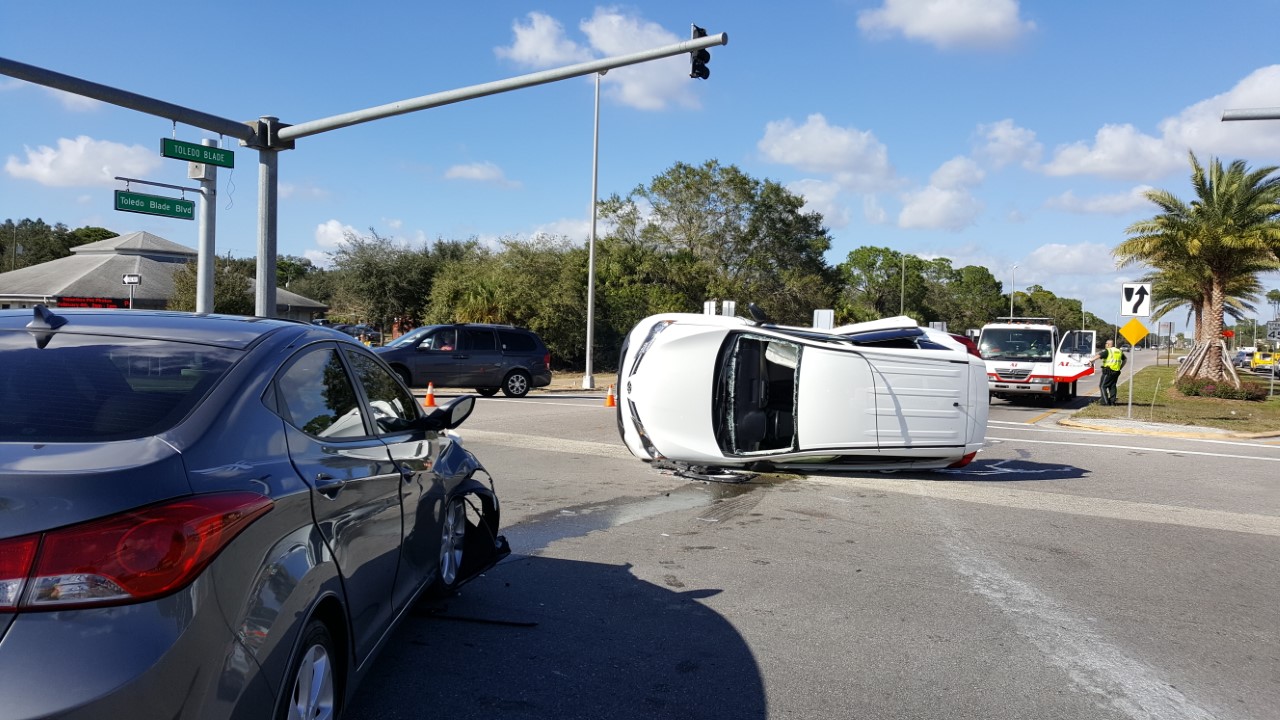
pixel 234 331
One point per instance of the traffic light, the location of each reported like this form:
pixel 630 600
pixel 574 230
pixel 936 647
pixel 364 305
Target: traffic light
pixel 699 58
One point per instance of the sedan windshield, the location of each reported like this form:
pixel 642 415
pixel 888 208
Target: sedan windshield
pixel 81 388
pixel 755 400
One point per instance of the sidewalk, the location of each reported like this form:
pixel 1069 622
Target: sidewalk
pixel 1142 427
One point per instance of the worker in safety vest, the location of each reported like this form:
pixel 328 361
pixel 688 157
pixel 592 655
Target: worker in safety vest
pixel 1112 361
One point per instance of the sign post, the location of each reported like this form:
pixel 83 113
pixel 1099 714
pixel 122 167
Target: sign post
pixel 1133 331
pixel 132 280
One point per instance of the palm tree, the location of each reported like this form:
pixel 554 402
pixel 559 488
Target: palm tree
pixel 1227 231
pixel 1174 289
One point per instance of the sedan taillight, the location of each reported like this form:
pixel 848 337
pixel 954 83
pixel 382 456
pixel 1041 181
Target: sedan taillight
pixel 125 558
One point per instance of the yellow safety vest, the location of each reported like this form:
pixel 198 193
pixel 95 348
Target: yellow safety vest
pixel 1112 362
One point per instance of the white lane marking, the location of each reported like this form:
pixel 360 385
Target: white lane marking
pixel 1092 661
pixel 530 442
pixel 1167 451
pixel 1128 510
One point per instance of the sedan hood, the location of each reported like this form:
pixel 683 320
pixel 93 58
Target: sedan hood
pixel 37 480
pixel 671 391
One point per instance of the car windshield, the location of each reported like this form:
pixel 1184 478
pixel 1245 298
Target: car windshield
pixel 1030 344
pixel 755 399
pixel 409 338
pixel 82 388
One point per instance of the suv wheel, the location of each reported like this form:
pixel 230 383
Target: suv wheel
pixel 405 376
pixel 516 384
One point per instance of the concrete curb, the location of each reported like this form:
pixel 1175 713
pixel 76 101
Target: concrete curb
pixel 1138 427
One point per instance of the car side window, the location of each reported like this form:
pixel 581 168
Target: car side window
pixel 446 340
pixel 388 401
pixel 516 341
pixel 317 397
pixel 480 339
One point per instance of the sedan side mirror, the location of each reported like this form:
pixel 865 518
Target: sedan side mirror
pixel 445 417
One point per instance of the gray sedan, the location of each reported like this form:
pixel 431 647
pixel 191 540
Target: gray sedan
pixel 215 517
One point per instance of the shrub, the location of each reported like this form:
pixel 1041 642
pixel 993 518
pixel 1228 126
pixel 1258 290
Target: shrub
pixel 1206 388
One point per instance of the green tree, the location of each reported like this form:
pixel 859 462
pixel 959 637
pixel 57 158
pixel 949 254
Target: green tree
pixel 1230 227
pixel 231 294
pixel 721 234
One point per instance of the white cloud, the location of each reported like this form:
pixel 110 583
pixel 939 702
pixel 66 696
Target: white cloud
pixel 947 203
pixel 329 236
pixel 1200 127
pixel 394 223
pixel 873 211
pixel 542 43
pixel 73 102
pixel 290 190
pixel 486 172
pixel 948 24
pixel 1054 259
pixel 1118 151
pixel 1117 204
pixel 856 159
pixel 822 197
pixel 83 162
pixel 1004 143
pixel 577 230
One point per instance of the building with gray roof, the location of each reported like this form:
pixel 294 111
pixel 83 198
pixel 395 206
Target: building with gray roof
pixel 93 276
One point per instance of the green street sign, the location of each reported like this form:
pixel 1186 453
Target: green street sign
pixel 192 152
pixel 155 205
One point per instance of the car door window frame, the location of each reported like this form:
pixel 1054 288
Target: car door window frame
pixel 282 407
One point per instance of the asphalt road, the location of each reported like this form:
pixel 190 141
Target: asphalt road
pixel 1063 574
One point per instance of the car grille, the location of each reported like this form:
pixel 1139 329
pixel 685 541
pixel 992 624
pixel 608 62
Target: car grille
pixel 1013 373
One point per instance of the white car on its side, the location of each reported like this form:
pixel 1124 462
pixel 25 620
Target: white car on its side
pixel 724 392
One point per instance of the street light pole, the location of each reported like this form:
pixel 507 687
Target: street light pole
pixel 588 377
pixel 902 294
pixel 1013 287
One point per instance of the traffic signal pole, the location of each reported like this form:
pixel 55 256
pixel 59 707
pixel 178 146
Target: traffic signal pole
pixel 269 136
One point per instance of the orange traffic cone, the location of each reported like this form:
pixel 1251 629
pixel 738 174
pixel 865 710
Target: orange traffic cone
pixel 430 399
pixel 608 399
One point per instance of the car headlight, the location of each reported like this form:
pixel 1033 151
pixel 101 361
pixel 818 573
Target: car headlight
pixel 644 346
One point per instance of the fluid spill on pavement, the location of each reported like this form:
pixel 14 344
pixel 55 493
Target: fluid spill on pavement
pixel 536 532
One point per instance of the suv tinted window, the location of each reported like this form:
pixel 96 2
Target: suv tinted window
pixel 513 341
pixel 317 397
pixel 479 339
pixel 82 388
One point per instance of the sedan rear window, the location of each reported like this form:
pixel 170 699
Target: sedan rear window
pixel 84 388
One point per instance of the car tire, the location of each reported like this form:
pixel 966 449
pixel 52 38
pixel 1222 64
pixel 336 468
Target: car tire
pixel 516 384
pixel 453 535
pixel 487 392
pixel 312 683
pixel 405 375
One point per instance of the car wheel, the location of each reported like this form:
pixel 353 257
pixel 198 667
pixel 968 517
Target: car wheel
pixel 487 392
pixel 453 535
pixel 312 680
pixel 516 384
pixel 405 376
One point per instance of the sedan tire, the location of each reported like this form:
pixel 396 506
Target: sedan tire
pixel 312 678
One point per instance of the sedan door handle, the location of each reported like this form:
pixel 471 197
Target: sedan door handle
pixel 328 485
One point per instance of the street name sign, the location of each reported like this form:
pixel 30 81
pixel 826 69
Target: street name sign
pixel 155 205
pixel 1135 300
pixel 192 152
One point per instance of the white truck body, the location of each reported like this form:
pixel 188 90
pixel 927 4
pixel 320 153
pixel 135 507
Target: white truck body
pixel 1030 357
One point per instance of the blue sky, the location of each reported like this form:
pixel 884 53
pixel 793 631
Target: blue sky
pixel 992 132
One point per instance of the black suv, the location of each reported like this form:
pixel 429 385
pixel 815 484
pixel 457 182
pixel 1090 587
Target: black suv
pixel 486 357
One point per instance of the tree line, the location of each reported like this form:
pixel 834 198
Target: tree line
pixel 692 234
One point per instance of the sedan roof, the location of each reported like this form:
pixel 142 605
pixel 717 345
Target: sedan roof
pixel 232 331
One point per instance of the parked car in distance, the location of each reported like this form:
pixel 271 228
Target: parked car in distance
pixel 486 357
pixel 1260 360
pixel 216 517
pixel 723 392
pixel 1240 359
